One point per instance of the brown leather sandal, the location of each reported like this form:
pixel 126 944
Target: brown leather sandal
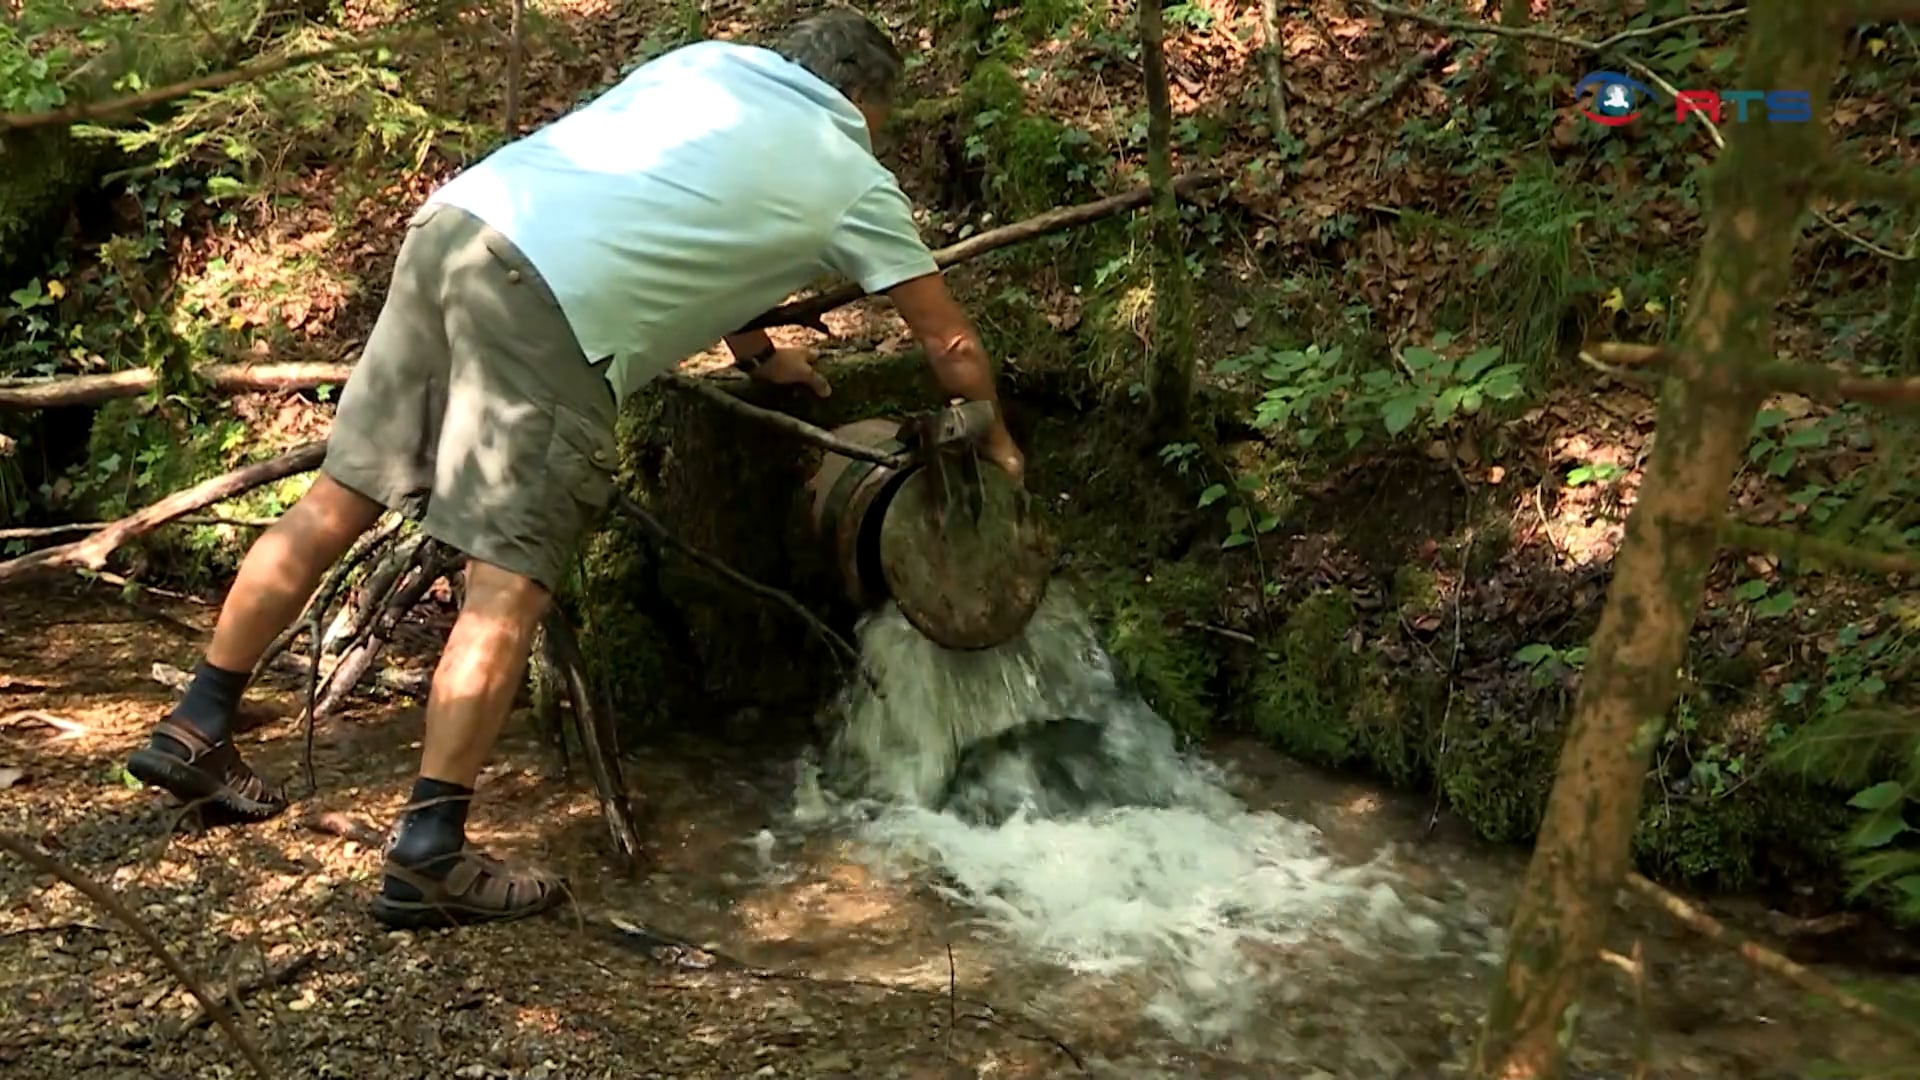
pixel 209 773
pixel 476 889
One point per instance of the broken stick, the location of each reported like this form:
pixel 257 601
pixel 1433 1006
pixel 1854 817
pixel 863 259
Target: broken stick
pixel 598 739
pixel 91 553
pixel 106 901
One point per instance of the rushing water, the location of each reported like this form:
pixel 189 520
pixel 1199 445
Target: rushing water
pixel 1041 792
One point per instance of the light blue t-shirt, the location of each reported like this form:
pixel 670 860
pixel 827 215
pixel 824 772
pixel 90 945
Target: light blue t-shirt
pixel 704 189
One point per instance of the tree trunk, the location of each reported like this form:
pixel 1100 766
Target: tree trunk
pixel 1170 358
pixel 1706 410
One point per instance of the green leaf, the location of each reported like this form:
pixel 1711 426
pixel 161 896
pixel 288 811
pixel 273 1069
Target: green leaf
pixel 1248 482
pixel 1752 590
pixel 1475 363
pixel 1909 885
pixel 1446 403
pixel 1532 655
pixel 1237 519
pixel 1268 523
pixel 1782 463
pixel 1879 796
pixel 1398 413
pixel 1213 494
pixel 1877 830
pixel 1471 401
pixel 1238 539
pixel 1420 359
pixel 1776 605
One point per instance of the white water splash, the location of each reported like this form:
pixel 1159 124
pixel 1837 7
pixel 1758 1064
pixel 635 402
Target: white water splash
pixel 1114 855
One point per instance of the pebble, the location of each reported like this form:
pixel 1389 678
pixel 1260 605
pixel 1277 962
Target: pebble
pixel 472 1072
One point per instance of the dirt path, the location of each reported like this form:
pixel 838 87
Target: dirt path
pixel 569 997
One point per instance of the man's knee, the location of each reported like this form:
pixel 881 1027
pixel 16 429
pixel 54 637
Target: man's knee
pixel 497 592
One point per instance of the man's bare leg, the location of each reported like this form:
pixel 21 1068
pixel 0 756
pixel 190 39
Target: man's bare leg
pixel 430 876
pixel 191 752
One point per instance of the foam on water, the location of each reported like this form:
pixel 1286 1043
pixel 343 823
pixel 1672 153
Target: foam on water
pixel 1109 851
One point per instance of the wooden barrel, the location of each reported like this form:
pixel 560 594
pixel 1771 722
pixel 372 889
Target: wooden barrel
pixel 954 541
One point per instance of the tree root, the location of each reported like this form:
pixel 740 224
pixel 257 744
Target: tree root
pixel 599 741
pixel 91 553
pixel 792 425
pixel 106 901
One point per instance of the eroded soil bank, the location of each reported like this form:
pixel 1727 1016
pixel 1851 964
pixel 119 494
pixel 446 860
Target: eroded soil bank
pixel 870 993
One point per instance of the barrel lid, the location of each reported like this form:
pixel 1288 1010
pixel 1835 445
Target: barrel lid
pixel 965 553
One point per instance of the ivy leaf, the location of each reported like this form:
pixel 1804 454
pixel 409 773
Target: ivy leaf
pixel 1879 796
pixel 1237 519
pixel 1776 605
pixel 1531 655
pixel 1752 590
pixel 1877 830
pixel 1398 413
pixel 1236 540
pixel 1478 362
pixel 1213 494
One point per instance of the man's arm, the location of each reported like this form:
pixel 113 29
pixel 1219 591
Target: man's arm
pixel 878 245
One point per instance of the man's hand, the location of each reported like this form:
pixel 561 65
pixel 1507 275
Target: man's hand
pixel 999 448
pixel 793 366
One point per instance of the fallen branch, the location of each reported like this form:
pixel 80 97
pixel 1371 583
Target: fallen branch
pixel 160 95
pixel 1767 960
pixel 792 425
pixel 92 552
pixel 734 577
pixel 106 901
pixel 599 741
pixel 41 532
pixel 66 391
pixel 1836 552
pixel 808 310
pixel 430 562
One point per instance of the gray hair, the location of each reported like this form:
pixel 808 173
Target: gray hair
pixel 848 52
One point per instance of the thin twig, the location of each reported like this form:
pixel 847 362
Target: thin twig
pixel 1767 960
pixel 266 980
pixel 106 901
pixel 651 942
pixel 734 577
pixel 322 599
pixel 792 425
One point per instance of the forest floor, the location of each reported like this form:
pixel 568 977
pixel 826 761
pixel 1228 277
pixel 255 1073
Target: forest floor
pixel 856 973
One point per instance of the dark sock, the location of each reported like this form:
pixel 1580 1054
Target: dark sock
pixel 209 703
pixel 432 831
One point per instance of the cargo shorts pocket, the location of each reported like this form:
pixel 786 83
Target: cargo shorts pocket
pixel 582 457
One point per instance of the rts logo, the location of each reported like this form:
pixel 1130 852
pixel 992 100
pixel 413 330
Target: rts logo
pixel 1614 102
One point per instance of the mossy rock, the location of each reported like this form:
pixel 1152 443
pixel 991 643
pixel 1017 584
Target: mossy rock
pixel 1030 163
pixel 1145 622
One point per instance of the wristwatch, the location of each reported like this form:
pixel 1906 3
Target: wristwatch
pixel 751 363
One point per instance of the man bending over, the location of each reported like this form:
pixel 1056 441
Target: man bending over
pixel 531 295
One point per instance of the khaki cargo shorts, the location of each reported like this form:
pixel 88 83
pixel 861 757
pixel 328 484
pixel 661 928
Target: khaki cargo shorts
pixel 473 403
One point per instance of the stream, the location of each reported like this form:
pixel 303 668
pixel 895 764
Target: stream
pixel 1017 822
